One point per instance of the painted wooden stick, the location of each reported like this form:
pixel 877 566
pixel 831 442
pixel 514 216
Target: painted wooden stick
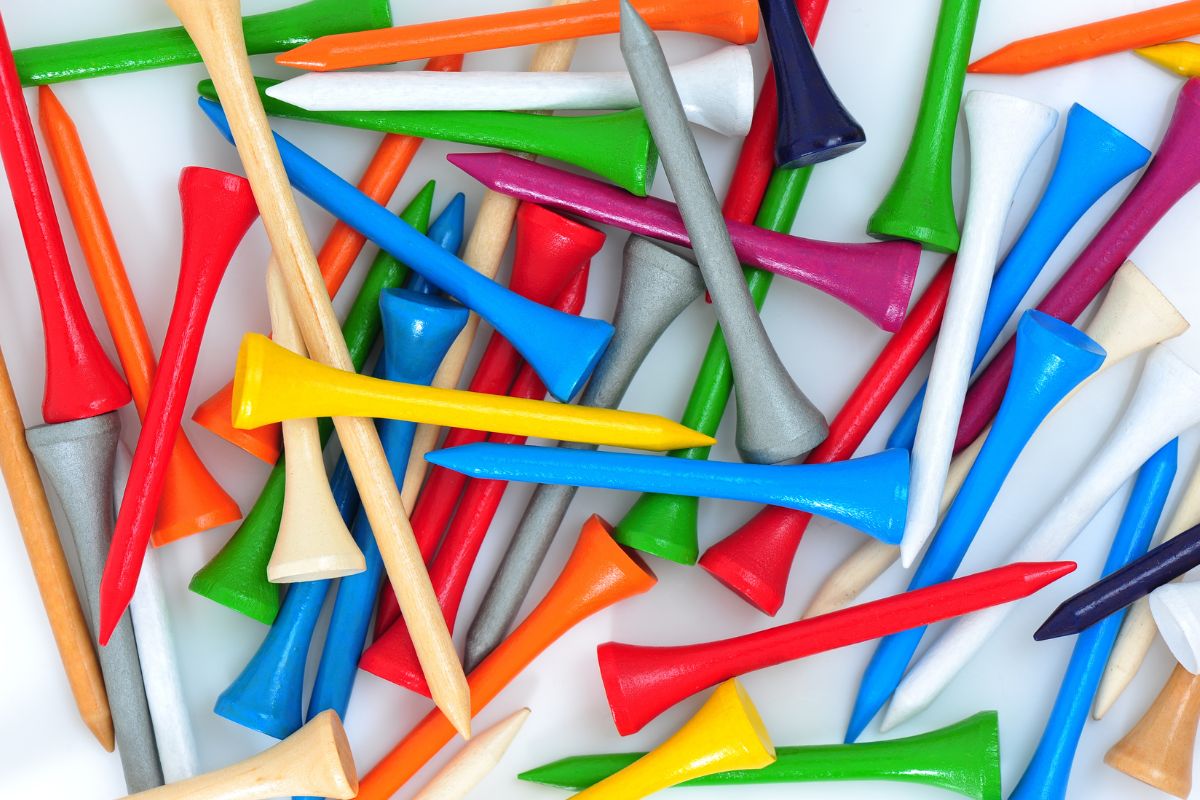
pixel 1161 408
pixel 270 32
pixel 1094 39
pixel 418 329
pixel 642 682
pixel 551 251
pixel 920 204
pixel 1117 590
pixel 313 542
pixel 656 286
pixel 214 26
pixel 391 656
pixel 338 253
pixel 539 333
pixel 192 499
pixel 814 126
pixel 717 91
pixel 218 209
pixel 1134 316
pixel 1182 58
pixel 314 390
pixel 1139 630
pixel 1174 609
pixel 174 740
pixel 1093 158
pixel 735 21
pixel 471 765
pixel 1172 173
pixel 874 279
pixel 51 573
pixel 80 380
pixel 1159 749
pixel 1005 133
pixel 1050 768
pixel 776 421
pixel 77 459
pixel 236 577
pixel 963 758
pixel 316 759
pixel 727 733
pixel 615 146
pixel 598 574
pixel 1054 359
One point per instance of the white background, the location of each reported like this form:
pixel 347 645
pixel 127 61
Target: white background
pixel 140 130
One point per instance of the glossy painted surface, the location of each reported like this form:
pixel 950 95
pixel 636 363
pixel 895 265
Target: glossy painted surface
pixel 270 32
pixel 735 21
pixel 539 333
pixel 920 205
pixel 80 380
pixel 218 209
pixel 1173 172
pixel 1052 359
pixel 874 279
pixel 236 577
pixel 963 758
pixel 642 682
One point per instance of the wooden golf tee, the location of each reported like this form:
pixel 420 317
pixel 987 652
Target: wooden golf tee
pixel 214 25
pixel 48 563
pixel 1049 770
pixel 920 205
pixel 598 574
pixel 562 348
pixel 550 249
pixel 656 286
pixel 313 541
pixel 615 146
pixel 873 278
pixel 1159 749
pixel 1133 316
pixel 1165 403
pixel 391 655
pixel 237 576
pixel 314 760
pixel 1172 173
pixel 717 90
pixel 174 740
pixel 755 561
pixel 168 47
pixel 1182 58
pixel 776 421
pixel 1133 581
pixel 472 764
pixel 77 459
pixel 80 380
pixel 642 682
pixel 814 126
pixel 1005 132
pixel 963 758
pixel 1054 359
pixel 725 734
pixel 1139 630
pixel 192 499
pixel 218 209
pixel 265 369
pixel 268 694
pixel 735 21
pixel 1082 42
pixel 342 247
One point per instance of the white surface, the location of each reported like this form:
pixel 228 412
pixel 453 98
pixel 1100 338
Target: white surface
pixel 141 129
